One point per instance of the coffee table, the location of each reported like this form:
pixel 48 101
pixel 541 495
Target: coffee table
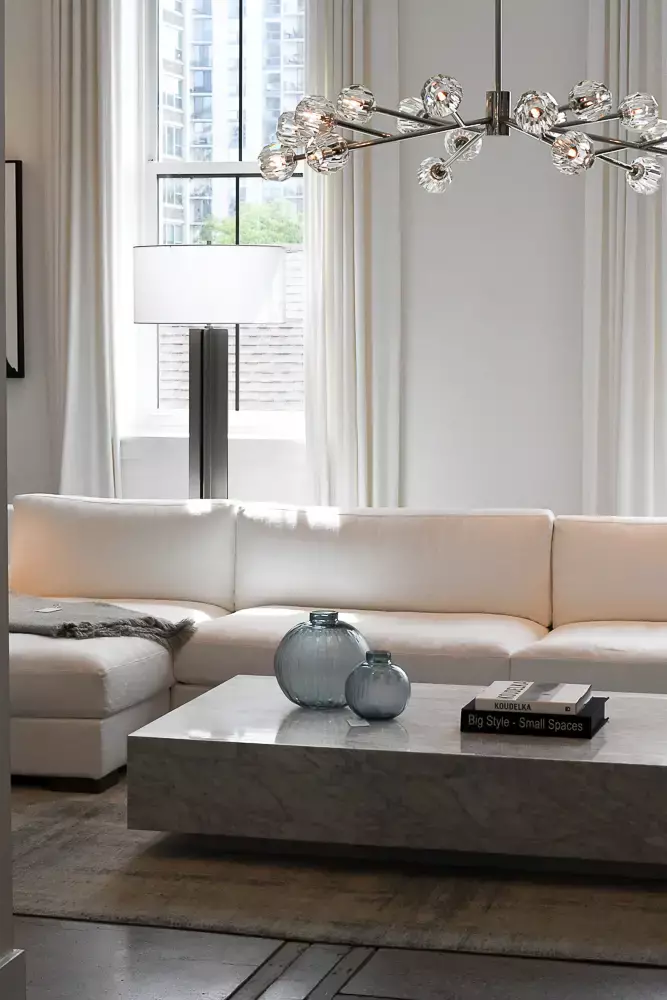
pixel 243 762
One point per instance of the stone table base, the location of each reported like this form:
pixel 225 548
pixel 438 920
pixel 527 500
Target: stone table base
pixel 243 762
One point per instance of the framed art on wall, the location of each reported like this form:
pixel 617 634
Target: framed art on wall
pixel 14 268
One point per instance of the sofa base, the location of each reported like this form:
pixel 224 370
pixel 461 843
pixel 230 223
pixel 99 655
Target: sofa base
pixel 74 786
pixel 79 748
pixel 181 694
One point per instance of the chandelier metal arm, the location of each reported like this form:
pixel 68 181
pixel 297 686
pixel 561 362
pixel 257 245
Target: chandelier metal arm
pixel 579 124
pixel 545 138
pixel 540 138
pixel 615 163
pixel 366 129
pixel 403 135
pixel 426 120
pixel 625 144
pixel 413 135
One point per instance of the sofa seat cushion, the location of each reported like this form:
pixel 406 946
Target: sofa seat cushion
pixel 612 656
pixel 93 678
pixel 451 648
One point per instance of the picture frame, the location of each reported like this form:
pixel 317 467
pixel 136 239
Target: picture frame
pixel 14 269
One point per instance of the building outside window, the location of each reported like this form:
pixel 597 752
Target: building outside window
pixel 239 67
pixel 202 81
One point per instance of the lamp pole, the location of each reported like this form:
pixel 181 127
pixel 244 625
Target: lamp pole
pixel 208 413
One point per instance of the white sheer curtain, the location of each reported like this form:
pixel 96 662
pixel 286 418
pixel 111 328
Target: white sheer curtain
pixel 625 296
pixel 89 54
pixel 353 276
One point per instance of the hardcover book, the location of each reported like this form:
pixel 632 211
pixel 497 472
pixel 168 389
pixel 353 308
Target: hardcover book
pixel 583 726
pixel 533 696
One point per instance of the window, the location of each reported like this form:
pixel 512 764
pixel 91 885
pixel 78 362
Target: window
pixel 272 83
pixel 171 44
pixel 172 91
pixel 201 55
pixel 202 81
pixel 172 192
pixel 202 29
pixel 272 55
pixel 172 141
pixel 215 123
pixel 172 233
pixel 202 107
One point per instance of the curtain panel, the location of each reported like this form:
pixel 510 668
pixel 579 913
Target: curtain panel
pixel 625 285
pixel 90 80
pixel 352 329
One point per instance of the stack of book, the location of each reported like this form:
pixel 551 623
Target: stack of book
pixel 528 708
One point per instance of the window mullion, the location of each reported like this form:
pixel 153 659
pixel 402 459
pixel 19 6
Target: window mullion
pixel 203 168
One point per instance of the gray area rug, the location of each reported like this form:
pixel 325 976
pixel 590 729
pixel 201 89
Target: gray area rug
pixel 74 858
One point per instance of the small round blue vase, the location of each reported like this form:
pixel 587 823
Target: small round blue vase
pixel 378 688
pixel 315 658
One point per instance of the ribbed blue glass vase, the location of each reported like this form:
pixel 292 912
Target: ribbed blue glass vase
pixel 378 688
pixel 314 660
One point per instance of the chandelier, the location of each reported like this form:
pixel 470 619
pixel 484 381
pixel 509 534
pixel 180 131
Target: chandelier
pixel 312 132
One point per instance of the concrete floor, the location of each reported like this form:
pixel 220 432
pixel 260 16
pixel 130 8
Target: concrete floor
pixel 70 960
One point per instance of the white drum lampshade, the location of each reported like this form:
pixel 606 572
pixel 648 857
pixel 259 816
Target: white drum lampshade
pixel 209 285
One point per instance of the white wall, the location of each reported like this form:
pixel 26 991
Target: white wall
pixel 30 462
pixel 492 273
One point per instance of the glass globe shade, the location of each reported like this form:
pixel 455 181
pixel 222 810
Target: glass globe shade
pixel 572 152
pixel 441 96
pixel 315 116
pixel 327 154
pixel 536 112
pixel 434 175
pixel 287 132
pixel 638 111
pixel 645 176
pixel 276 162
pixel 411 106
pixel 590 100
pixel 457 138
pixel 356 104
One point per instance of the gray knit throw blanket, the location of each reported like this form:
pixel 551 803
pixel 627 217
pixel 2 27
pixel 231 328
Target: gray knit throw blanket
pixel 93 620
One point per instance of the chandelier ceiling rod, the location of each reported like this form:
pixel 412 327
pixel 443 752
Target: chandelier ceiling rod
pixel 499 46
pixel 308 133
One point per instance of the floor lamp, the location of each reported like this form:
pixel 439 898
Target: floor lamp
pixel 208 288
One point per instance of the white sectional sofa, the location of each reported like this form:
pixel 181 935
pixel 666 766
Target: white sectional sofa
pixel 458 598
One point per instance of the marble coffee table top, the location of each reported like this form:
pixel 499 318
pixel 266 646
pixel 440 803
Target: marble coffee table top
pixel 253 710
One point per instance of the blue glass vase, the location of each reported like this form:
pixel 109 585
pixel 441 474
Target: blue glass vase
pixel 377 688
pixel 315 658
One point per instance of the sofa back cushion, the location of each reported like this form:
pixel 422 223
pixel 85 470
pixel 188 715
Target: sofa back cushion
pixel 395 560
pixel 75 547
pixel 609 569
